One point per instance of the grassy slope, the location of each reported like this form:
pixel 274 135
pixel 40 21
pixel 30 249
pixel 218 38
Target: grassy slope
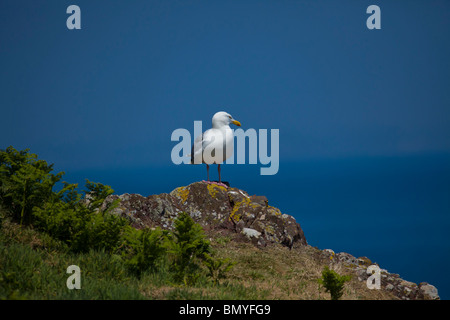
pixel 33 266
pixel 289 274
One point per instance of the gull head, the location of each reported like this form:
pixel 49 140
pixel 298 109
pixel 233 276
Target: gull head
pixel 221 119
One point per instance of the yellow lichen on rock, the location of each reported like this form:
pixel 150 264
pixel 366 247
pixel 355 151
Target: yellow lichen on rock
pixel 237 205
pixel 212 189
pixel 273 210
pixel 269 229
pixel 182 193
pixel 234 215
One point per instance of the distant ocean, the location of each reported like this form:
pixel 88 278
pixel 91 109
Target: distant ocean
pixel 394 210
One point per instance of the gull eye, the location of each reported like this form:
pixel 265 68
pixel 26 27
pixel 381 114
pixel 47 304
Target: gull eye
pixel 229 117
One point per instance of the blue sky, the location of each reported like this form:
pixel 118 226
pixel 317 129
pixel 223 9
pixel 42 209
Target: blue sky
pixel 109 95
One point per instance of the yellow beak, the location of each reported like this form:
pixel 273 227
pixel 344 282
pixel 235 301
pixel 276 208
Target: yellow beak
pixel 236 123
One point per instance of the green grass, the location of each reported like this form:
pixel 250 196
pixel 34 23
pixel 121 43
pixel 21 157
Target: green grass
pixel 33 266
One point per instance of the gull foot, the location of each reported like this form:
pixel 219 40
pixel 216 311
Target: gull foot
pixel 217 183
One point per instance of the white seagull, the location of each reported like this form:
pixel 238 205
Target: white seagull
pixel 216 144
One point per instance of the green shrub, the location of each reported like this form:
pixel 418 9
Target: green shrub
pixel 25 182
pixel 81 221
pixel 217 267
pixel 143 249
pixel 26 191
pixel 188 247
pixel 333 282
pixel 81 224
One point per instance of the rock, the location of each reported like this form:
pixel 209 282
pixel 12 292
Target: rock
pixel 390 287
pixel 347 259
pixel 261 200
pixel 251 233
pixel 215 207
pixel 391 282
pixel 249 218
pixel 328 253
pixel 361 273
pixel 429 291
pixel 364 261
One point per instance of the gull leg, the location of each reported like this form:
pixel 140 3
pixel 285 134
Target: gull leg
pixel 214 182
pixel 220 180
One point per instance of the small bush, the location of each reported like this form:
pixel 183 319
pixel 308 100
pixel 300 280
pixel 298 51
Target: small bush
pixel 26 191
pixel 217 267
pixel 143 249
pixel 333 282
pixel 188 246
pixel 81 227
pixel 81 221
pixel 25 182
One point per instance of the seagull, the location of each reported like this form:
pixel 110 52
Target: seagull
pixel 216 144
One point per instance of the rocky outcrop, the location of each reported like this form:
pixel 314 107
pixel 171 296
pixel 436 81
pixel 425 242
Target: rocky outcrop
pixel 402 289
pixel 217 209
pixel 231 211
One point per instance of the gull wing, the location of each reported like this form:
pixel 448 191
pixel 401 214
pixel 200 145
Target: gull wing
pixel 200 143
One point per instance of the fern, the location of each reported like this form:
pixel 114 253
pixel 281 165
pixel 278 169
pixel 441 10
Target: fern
pixel 333 282
pixel 25 182
pixel 188 246
pixel 217 267
pixel 84 222
pixel 143 249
